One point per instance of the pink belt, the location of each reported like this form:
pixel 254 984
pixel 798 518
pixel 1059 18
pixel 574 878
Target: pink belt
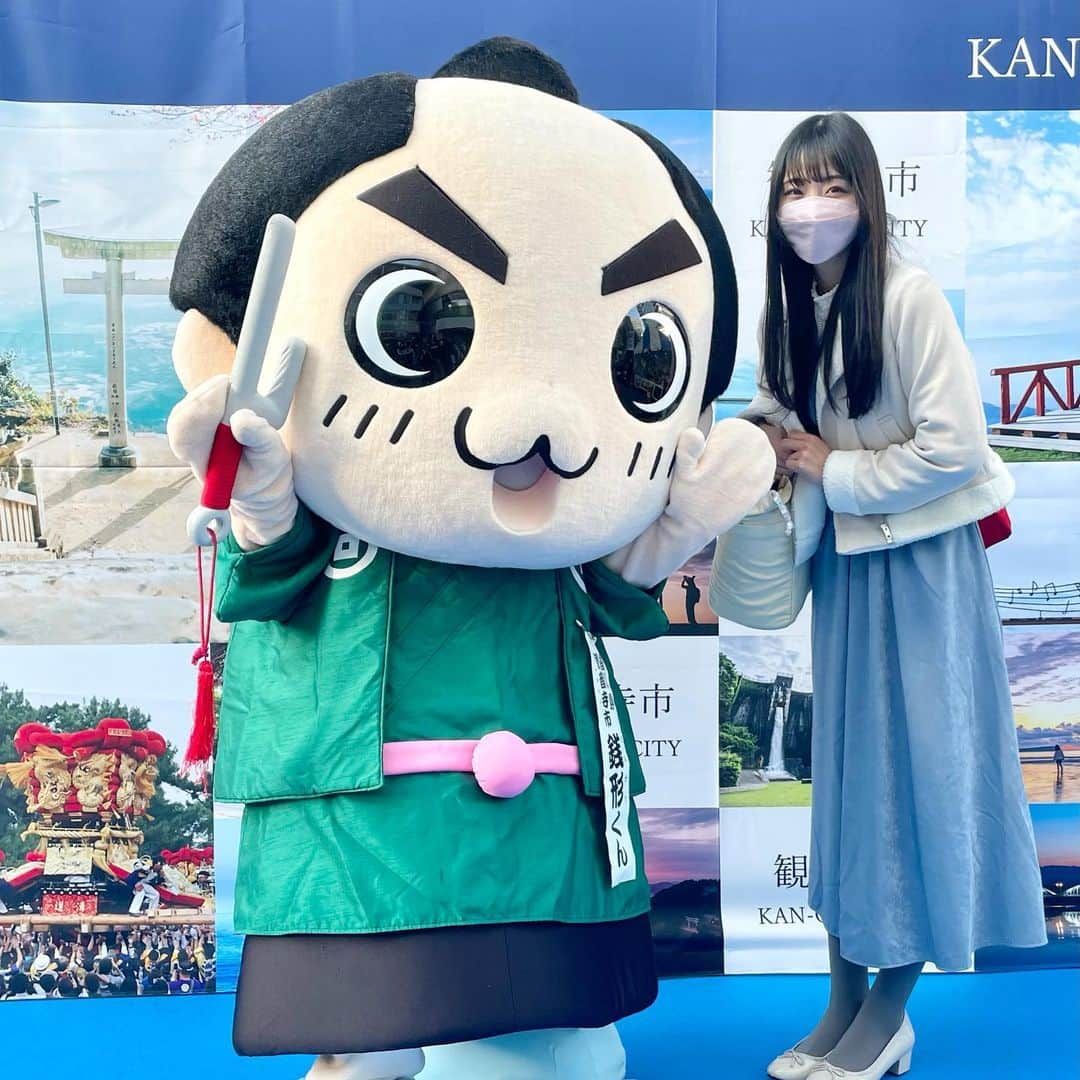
pixel 503 763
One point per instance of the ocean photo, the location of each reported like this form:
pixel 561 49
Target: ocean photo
pixel 1022 305
pixel 227 819
pixel 1057 837
pixel 1044 675
pixel 124 174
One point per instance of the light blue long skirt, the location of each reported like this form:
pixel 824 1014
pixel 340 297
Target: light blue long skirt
pixel 922 847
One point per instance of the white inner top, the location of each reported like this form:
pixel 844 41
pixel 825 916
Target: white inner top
pixel 822 303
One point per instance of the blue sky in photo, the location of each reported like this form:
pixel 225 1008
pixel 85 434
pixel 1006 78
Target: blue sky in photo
pixel 131 173
pixel 1023 262
pixel 761 657
pixel 1044 674
pixel 158 679
pixel 1043 547
pixel 1057 833
pixel 681 845
pixel 688 132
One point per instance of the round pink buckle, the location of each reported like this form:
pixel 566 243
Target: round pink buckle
pixel 503 764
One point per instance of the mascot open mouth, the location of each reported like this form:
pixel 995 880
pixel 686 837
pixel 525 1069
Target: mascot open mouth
pixel 523 492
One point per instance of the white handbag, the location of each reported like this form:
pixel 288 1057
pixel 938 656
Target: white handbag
pixel 755 578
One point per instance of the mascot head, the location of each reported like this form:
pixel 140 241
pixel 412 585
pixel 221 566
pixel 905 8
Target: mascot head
pixel 512 307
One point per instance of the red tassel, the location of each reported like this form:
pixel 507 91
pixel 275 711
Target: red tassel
pixel 201 744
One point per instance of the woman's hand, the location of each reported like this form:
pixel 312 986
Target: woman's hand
pixel 776 436
pixel 805 454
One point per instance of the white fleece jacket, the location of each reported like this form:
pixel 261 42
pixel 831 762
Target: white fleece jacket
pixel 919 462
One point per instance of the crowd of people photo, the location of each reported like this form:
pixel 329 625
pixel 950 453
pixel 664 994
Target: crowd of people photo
pixel 144 961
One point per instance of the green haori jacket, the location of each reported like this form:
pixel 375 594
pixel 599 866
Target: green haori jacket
pixel 339 646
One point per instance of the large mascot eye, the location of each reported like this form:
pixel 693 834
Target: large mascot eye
pixel 650 361
pixel 409 323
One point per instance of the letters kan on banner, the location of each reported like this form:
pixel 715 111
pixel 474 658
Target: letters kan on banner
pixel 1041 58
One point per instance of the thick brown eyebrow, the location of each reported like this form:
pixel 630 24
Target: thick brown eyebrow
pixel 662 252
pixel 414 199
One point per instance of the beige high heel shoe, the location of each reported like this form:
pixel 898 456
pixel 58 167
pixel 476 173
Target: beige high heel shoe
pixel 793 1064
pixel 894 1059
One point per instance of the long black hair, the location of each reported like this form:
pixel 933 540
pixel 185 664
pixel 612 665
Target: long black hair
pixel 830 144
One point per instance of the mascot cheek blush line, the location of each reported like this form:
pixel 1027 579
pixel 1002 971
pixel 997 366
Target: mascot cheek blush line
pixel 501 321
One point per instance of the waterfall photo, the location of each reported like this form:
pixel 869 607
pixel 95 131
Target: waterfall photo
pixel 765 720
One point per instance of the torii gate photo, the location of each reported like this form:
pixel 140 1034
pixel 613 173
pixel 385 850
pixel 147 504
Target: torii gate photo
pixel 114 284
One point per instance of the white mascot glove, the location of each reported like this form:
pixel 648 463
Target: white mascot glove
pixel 264 505
pixel 717 481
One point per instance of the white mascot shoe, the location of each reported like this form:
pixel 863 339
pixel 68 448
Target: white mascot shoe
pixel 380 1065
pixel 550 1054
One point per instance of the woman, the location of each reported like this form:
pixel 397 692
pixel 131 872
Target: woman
pixel 922 848
pixel 1059 761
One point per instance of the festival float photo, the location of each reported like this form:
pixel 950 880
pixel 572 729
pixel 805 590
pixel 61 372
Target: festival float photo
pixel 107 882
pixel 87 792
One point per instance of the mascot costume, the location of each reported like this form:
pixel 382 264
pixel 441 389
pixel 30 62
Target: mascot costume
pixel 494 324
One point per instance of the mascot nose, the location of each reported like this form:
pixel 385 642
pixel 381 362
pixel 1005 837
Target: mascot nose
pixel 507 427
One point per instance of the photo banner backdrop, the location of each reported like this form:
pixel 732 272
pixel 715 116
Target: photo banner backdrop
pixel 115 121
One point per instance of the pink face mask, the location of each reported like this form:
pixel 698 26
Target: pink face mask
pixel 819 228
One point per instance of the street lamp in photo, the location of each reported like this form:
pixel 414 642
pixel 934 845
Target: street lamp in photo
pixel 35 210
